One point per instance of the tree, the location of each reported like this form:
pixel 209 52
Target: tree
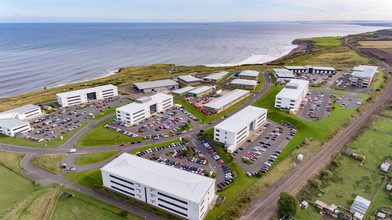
pixel 288 205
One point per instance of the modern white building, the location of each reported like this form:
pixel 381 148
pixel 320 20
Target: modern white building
pixel 176 191
pixel 234 130
pixel 226 100
pixel 23 112
pixel 85 95
pixel 283 75
pixel 215 77
pixel 13 127
pixel 363 76
pixel 143 108
pixel 291 96
pixel 12 121
pixel 155 86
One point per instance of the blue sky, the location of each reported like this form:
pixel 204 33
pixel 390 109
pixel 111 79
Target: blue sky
pixel 192 10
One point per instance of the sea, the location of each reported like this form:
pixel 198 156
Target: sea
pixel 38 55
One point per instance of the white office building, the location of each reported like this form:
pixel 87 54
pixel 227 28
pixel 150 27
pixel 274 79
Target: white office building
pixel 23 112
pixel 176 191
pixel 143 108
pixel 12 121
pixel 13 127
pixel 363 76
pixel 85 95
pixel 291 96
pixel 234 130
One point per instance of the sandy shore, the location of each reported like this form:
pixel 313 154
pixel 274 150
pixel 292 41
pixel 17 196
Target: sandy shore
pixel 300 48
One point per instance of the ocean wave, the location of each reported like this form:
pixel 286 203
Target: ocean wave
pixel 258 58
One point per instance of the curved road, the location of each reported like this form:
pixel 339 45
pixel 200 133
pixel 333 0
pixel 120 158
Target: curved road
pixel 265 207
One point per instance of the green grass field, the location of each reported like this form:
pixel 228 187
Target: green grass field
pixel 88 178
pixel 103 113
pixel 363 97
pixel 383 123
pixel 355 180
pixel 78 208
pixel 154 145
pixel 383 199
pixel 55 142
pixel 101 136
pixel 13 189
pixel 94 157
pixel 309 213
pixel 204 119
pixel 324 41
pixel 50 163
pixel 81 206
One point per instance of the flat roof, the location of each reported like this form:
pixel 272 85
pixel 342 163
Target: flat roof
pixel 249 73
pixel 135 106
pixel 295 67
pixel 292 93
pixel 201 89
pixel 241 119
pixel 323 68
pixel 12 122
pixel 284 73
pixel 188 78
pixel 226 99
pixel 23 109
pixel 155 84
pixel 180 183
pixel 247 82
pixel 216 76
pixel 88 90
pixel 183 90
pixel 360 205
pixel 363 71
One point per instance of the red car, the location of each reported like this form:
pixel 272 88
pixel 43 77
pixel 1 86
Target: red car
pixel 172 135
pixel 122 144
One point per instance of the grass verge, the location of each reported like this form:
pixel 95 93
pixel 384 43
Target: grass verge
pixel 101 136
pixel 103 113
pixel 87 179
pixel 50 163
pixel 94 157
pixel 11 160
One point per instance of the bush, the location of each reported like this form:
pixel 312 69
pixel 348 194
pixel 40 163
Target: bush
pixel 315 183
pixel 326 174
pixel 247 161
pixel 288 205
pixel 213 175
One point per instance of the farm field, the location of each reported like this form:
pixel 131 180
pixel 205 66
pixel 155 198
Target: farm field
pixel 375 44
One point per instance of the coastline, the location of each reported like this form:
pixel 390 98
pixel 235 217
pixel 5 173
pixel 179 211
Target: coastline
pixel 300 47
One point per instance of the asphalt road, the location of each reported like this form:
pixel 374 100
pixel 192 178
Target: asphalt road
pixel 265 207
pixel 49 178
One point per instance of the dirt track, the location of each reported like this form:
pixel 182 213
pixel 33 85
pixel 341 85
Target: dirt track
pixel 266 206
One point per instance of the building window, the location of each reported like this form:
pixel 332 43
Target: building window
pixel 217 139
pixel 217 130
pixel 217 135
